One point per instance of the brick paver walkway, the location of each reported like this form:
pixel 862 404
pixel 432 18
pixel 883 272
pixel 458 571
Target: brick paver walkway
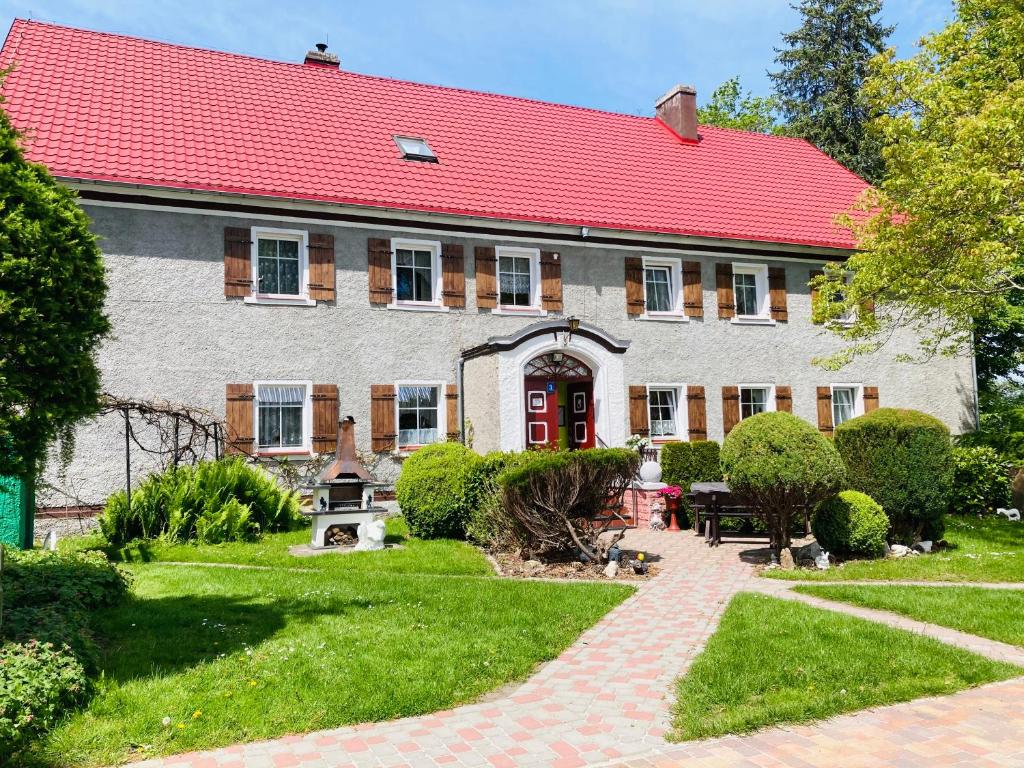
pixel 607 701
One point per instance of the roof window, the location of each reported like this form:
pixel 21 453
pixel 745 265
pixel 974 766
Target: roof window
pixel 415 149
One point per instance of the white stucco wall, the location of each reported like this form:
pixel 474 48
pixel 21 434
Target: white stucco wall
pixel 176 337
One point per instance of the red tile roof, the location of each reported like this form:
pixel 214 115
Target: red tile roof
pixel 109 107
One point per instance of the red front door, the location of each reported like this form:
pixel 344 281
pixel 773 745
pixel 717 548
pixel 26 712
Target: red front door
pixel 580 412
pixel 541 413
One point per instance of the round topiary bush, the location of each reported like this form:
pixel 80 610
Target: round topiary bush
pixel 981 481
pixel 779 466
pixel 903 460
pixel 433 490
pixel 851 523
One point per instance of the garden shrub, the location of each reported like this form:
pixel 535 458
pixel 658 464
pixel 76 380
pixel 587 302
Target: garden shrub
pixel 38 684
pixel 85 580
pixel 211 502
pixel 981 481
pixel 433 490
pixel 902 459
pixel 62 626
pixel 683 464
pixel 779 466
pixel 488 525
pixel 564 500
pixel 851 523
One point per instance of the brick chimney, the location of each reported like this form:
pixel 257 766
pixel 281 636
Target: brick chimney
pixel 321 58
pixel 678 110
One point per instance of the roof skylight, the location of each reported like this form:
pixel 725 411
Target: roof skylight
pixel 415 149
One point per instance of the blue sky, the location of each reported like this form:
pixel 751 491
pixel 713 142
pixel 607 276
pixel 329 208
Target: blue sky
pixel 618 55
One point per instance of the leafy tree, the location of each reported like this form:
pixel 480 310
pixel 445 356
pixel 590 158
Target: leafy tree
pixel 941 240
pixel 730 107
pixel 51 309
pixel 823 68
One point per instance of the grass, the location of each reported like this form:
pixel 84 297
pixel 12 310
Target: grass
pixel 982 549
pixel 997 614
pixel 234 655
pixel 775 661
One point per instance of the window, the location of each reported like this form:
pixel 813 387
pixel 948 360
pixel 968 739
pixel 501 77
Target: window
pixel 281 416
pixel 418 414
pixel 658 287
pixel 755 400
pixel 847 403
pixel 416 270
pixel 518 279
pixel 663 407
pixel 750 288
pixel 279 263
pixel 415 149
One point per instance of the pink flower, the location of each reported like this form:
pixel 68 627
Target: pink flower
pixel 671 492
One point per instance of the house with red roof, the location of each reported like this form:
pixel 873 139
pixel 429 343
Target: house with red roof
pixel 290 242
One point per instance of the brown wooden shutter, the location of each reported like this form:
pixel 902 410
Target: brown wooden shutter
pixel 452 412
pixel 321 267
pixel 379 261
pixel 697 413
pixel 784 399
pixel 382 417
pixel 453 276
pixel 815 293
pixel 726 294
pixel 325 418
pixel 239 419
pixel 693 291
pixel 237 261
pixel 486 277
pixel 634 286
pixel 730 408
pixel 638 418
pixel 551 281
pixel 825 410
pixel 777 293
pixel 870 399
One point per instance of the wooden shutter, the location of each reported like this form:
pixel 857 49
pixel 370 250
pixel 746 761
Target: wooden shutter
pixel 453 276
pixel 379 261
pixel 825 410
pixel 237 261
pixel 551 281
pixel 321 267
pixel 815 293
pixel 325 418
pixel 638 418
pixel 697 413
pixel 777 293
pixel 634 286
pixel 730 408
pixel 239 419
pixel 382 417
pixel 726 294
pixel 486 278
pixel 870 399
pixel 693 291
pixel 784 399
pixel 452 412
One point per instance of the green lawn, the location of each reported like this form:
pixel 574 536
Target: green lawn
pixel 997 614
pixel 235 655
pixel 987 549
pixel 775 661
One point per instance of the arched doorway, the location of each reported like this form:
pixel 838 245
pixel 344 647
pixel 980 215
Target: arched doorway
pixel 559 402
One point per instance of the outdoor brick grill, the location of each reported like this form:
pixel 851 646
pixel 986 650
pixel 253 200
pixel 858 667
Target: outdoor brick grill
pixel 343 497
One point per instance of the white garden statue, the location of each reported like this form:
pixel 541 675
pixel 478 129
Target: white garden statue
pixel 371 536
pixel 1013 515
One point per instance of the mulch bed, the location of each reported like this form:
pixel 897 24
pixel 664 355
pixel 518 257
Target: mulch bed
pixel 513 566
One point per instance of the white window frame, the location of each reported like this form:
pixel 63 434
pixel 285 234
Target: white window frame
pixel 858 399
pixel 442 413
pixel 437 278
pixel 682 414
pixel 535 308
pixel 760 273
pixel 770 406
pixel 306 449
pixel 675 275
pixel 275 233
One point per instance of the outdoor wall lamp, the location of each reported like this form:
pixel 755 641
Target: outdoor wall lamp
pixel 573 324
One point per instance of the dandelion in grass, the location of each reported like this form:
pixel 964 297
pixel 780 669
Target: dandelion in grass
pixel 166 722
pixel 197 714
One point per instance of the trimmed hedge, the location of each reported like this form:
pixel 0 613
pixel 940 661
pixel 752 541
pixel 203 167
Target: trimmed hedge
pixel 851 523
pixel 684 464
pixel 433 490
pixel 981 481
pixel 487 524
pixel 902 459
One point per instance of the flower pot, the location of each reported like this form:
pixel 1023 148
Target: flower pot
pixel 673 507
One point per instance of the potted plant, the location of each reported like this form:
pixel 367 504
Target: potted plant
pixel 673 496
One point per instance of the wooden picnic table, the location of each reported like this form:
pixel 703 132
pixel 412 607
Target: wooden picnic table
pixel 713 501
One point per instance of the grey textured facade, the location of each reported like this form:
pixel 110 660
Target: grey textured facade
pixel 177 337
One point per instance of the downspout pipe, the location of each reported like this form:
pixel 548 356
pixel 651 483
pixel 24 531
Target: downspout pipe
pixel 460 391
